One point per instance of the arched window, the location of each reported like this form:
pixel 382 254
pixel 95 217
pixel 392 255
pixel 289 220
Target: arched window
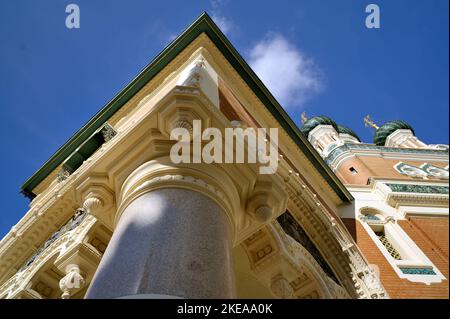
pixel 376 222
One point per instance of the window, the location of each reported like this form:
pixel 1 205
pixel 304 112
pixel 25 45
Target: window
pixel 405 257
pixel 387 244
pixel 376 222
pixel 371 217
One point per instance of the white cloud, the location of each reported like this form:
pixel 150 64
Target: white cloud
pixel 287 72
pixel 223 23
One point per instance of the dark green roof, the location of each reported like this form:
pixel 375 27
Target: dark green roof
pixel 387 129
pixel 203 24
pixel 315 121
pixel 346 130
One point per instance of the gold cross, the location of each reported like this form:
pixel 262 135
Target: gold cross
pixel 368 122
pixel 304 118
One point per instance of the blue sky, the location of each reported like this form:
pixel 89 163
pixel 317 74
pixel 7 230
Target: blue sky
pixel 316 56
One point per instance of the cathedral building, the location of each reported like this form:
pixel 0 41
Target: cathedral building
pixel 112 215
pixel 399 215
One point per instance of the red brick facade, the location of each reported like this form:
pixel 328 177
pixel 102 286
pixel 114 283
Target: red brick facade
pixel 430 235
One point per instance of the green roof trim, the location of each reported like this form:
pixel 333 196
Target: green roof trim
pixel 203 24
pixel 87 148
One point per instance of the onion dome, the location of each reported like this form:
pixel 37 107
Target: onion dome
pixel 387 129
pixel 346 130
pixel 315 121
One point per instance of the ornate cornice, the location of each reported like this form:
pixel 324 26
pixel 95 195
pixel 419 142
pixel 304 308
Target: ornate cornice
pixel 347 147
pixel 414 188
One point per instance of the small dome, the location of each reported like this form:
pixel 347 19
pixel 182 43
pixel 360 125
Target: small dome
pixel 346 130
pixel 311 124
pixel 387 129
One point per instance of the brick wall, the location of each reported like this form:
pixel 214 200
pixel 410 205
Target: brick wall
pixel 426 233
pixel 435 231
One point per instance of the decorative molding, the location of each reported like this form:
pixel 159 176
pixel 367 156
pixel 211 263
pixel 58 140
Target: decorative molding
pixel 63 174
pixel 293 229
pixel 443 147
pixel 183 124
pixel 108 132
pixel 274 255
pixel 71 282
pixel 302 259
pixel 410 170
pixel 73 222
pixel 417 271
pixel 344 255
pixel 376 220
pixel 195 74
pixel 97 198
pixel 435 171
pixel 281 287
pixel 347 147
pixel 68 244
pixel 415 188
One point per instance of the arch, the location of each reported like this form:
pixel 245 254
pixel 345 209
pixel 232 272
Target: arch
pixel 285 267
pixel 371 213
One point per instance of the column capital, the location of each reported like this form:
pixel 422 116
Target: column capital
pixel 249 199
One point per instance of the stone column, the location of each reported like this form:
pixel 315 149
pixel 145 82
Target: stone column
pixel 173 242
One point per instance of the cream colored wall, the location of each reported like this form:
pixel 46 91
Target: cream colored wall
pixel 247 284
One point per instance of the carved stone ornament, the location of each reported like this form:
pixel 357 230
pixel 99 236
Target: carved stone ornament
pixel 281 287
pixel 71 282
